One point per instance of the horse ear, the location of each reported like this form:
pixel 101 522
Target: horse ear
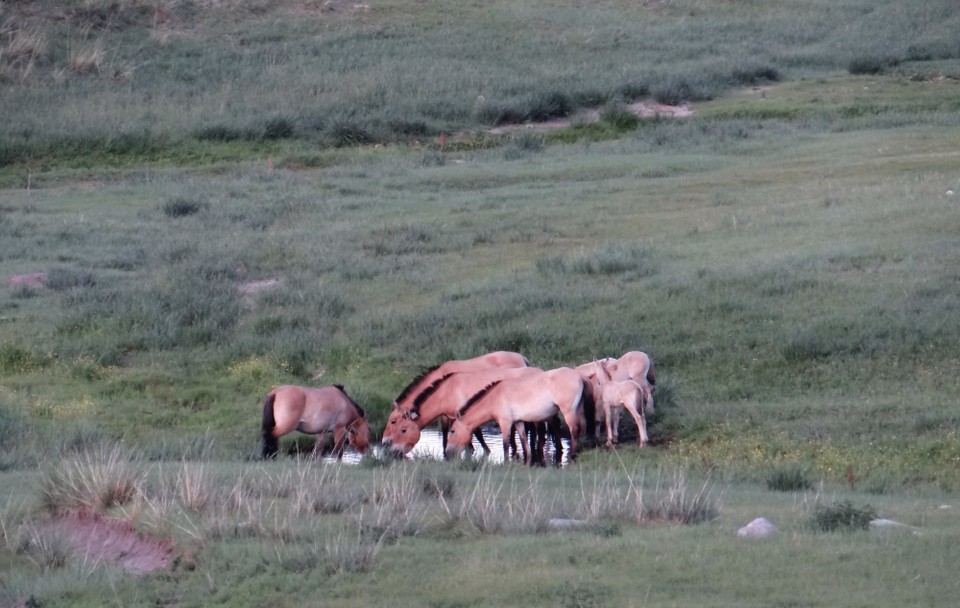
pixel 395 405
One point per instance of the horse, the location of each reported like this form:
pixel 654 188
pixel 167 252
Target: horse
pixel 633 365
pixel 615 395
pixel 442 399
pixel 405 408
pixel 512 402
pixel 316 411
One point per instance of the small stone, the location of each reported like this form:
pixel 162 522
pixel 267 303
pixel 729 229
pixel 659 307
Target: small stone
pixel 759 528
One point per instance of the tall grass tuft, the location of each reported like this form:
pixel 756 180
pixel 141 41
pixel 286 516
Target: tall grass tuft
pixel 789 478
pixel 21 48
pixel 92 481
pixel 506 503
pixel 400 506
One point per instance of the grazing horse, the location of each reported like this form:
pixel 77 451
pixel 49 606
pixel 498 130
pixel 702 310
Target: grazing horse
pixel 615 395
pixel 405 415
pixel 514 401
pixel 316 411
pixel 442 399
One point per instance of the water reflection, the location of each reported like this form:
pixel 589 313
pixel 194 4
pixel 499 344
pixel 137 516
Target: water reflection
pixel 431 446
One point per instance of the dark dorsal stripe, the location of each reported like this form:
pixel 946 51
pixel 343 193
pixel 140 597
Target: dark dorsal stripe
pixel 409 388
pixel 425 393
pixel 356 406
pixel 477 397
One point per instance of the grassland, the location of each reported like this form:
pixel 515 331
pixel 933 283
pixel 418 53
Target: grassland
pixel 788 255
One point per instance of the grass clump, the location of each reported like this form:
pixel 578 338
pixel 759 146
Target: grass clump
pixel 92 481
pixel 181 206
pixel 789 478
pixel 842 516
pixel 21 48
pixel 871 64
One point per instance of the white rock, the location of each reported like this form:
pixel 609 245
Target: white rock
pixel 567 524
pixel 759 528
pixel 889 524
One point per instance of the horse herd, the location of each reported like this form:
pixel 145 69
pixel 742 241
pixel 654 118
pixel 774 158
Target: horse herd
pixel 465 394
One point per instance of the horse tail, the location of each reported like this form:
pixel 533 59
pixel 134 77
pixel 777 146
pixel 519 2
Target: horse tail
pixel 589 408
pixel 270 443
pixel 651 378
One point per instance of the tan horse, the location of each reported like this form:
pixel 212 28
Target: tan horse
pixel 397 433
pixel 442 399
pixel 514 401
pixel 634 365
pixel 316 411
pixel 617 395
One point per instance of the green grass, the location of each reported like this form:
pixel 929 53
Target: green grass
pixel 787 255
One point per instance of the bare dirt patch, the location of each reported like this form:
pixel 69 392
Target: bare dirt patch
pixel 97 539
pixel 33 279
pixel 251 287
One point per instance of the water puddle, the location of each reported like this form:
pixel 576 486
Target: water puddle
pixel 430 447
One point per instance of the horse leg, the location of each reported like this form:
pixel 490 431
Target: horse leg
pixel 611 429
pixel 555 432
pixel 540 433
pixel 339 441
pixel 648 401
pixel 616 424
pixel 483 444
pixel 444 423
pixel 641 424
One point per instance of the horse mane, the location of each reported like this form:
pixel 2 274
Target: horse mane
pixel 360 411
pixel 425 393
pixel 413 384
pixel 477 397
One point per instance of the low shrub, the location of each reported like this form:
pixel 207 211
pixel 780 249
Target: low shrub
pixel 619 117
pixel 871 64
pixel 181 206
pixel 842 516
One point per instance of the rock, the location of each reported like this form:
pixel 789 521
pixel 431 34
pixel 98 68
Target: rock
pixel 567 524
pixel 889 524
pixel 759 528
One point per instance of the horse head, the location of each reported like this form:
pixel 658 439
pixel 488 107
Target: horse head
pixel 358 434
pixel 402 431
pixel 458 438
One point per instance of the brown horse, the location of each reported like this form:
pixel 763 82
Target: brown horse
pixel 405 421
pixel 442 399
pixel 514 401
pixel 316 411
pixel 616 395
